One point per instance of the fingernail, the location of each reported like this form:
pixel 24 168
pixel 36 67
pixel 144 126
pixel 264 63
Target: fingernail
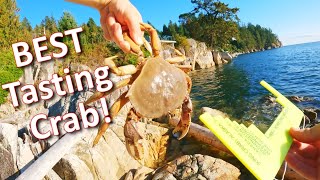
pixel 295 129
pixel 139 40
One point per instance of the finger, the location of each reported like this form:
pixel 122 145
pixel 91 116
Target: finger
pixel 134 29
pixel 300 166
pixel 305 150
pixel 307 135
pixel 110 21
pixel 103 22
pixel 118 37
pixel 297 156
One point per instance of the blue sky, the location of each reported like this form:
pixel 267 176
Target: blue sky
pixel 294 21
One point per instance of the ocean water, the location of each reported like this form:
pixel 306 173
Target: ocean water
pixel 234 88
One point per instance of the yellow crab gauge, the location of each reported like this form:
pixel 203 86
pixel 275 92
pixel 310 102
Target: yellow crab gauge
pixel 262 154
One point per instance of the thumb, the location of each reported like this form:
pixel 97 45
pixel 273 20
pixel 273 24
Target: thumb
pixel 307 135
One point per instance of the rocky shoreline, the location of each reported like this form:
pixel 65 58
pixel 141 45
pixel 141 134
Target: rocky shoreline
pixel 199 56
pixel 110 158
pixel 198 156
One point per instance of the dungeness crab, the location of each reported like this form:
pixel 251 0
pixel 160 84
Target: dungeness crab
pixel 156 87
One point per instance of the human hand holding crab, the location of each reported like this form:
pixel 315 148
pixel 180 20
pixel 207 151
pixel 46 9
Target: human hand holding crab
pixel 117 16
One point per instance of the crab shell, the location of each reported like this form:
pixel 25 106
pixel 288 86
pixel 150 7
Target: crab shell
pixel 160 88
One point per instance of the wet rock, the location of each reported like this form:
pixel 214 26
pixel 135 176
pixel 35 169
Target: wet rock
pixel 269 99
pixel 214 112
pixel 299 99
pixel 197 167
pixel 226 56
pixel 310 113
pixel 225 61
pixel 217 58
pixel 234 55
pixel 70 167
pixel 7 167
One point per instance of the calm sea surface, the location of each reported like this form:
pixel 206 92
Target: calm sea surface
pixel 234 88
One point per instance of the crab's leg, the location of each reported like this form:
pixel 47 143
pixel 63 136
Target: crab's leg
pixel 184 68
pixel 155 41
pixel 147 46
pixel 182 127
pixel 122 70
pixel 96 96
pixel 132 136
pixel 154 38
pixel 113 112
pixel 134 48
pixel 189 83
pixel 180 58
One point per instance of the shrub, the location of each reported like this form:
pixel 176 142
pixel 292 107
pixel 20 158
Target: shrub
pixel 8 72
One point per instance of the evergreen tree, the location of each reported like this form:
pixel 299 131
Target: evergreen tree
pixel 66 22
pixel 25 24
pixel 9 23
pixel 49 25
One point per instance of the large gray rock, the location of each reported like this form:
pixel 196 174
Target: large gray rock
pixel 7 167
pixel 109 159
pixel 198 55
pixel 70 167
pixel 6 109
pixel 9 139
pixel 197 167
pixel 217 58
pixel 25 156
pixel 166 53
pixel 52 175
pixel 226 56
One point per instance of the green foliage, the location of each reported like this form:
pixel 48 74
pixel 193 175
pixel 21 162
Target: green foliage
pixel 66 22
pixel 9 23
pixel 49 25
pixel 216 24
pixel 8 71
pixel 25 24
pixel 11 31
pixel 255 37
pixel 182 42
pixel 210 21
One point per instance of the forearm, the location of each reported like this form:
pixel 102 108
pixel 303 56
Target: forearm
pixel 97 4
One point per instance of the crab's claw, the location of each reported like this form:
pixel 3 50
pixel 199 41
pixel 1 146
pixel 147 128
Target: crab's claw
pixel 132 136
pixel 182 127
